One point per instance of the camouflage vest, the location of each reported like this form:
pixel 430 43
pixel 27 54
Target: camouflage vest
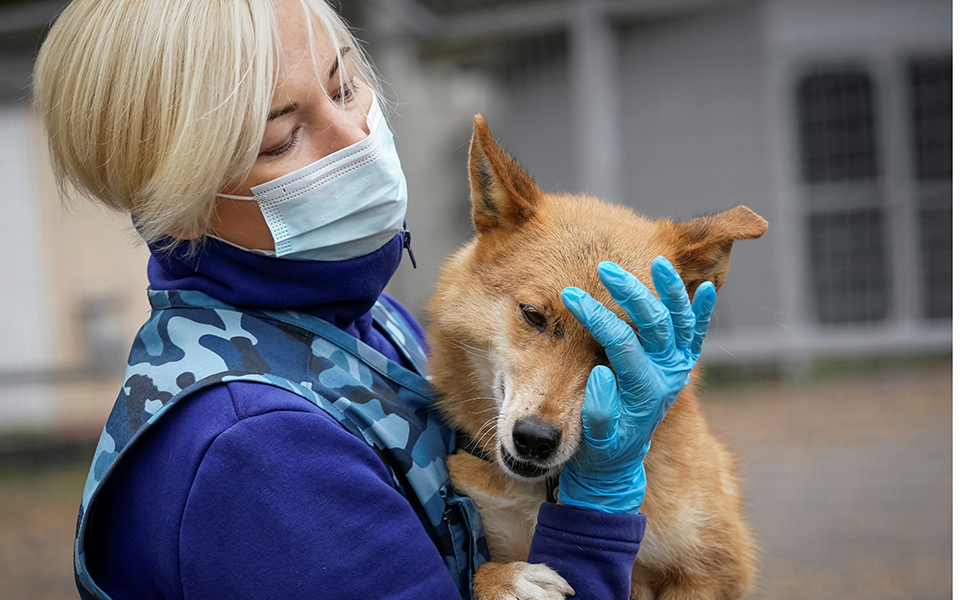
pixel 192 341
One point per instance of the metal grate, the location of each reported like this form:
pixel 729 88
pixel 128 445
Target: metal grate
pixel 845 219
pixel 936 255
pixel 931 98
pixel 931 88
pixel 837 127
pixel 847 254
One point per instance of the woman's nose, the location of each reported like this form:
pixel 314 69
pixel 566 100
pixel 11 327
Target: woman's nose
pixel 347 126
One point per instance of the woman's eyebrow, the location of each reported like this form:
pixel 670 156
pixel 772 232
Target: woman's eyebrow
pixel 336 63
pixel 279 112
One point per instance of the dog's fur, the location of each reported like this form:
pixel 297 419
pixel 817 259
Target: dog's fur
pixel 495 361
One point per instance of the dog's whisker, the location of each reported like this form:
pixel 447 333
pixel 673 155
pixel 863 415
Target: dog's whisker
pixel 490 424
pixel 472 350
pixel 487 432
pixel 487 409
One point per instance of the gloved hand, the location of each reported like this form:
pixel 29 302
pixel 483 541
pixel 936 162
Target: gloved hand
pixel 620 413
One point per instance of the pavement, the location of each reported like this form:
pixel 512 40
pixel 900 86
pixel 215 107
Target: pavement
pixel 848 482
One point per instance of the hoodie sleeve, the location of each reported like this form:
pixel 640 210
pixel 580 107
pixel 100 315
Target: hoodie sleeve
pixel 290 505
pixel 594 551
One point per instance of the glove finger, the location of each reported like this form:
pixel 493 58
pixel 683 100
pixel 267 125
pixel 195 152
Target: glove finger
pixel 601 409
pixel 651 317
pixel 673 294
pixel 622 347
pixel 704 300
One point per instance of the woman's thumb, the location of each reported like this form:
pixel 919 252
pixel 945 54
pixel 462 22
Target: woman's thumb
pixel 601 408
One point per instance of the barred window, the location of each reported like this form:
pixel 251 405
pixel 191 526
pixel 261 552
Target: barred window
pixel 846 249
pixel 845 220
pixel 931 98
pixel 837 127
pixel 931 101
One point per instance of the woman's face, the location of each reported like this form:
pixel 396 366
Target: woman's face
pixel 306 123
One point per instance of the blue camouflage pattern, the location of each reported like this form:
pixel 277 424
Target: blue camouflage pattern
pixel 192 341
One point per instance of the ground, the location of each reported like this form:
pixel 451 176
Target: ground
pixel 847 481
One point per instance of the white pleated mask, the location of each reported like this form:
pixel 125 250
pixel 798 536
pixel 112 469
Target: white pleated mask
pixel 347 204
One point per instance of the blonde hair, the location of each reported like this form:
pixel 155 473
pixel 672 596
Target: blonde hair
pixel 151 106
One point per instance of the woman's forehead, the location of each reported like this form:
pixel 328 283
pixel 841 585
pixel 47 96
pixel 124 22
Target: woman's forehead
pixel 297 41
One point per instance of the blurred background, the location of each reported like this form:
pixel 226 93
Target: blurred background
pixel 829 367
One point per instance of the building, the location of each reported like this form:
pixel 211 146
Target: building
pixel 831 118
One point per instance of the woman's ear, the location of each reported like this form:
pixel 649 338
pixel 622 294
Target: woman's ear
pixel 502 193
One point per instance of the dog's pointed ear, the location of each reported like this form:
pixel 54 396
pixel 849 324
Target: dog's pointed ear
pixel 502 193
pixel 705 244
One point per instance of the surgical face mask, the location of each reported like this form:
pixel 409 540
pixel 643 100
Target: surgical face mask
pixel 347 204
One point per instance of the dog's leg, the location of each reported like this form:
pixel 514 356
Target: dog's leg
pixel 692 592
pixel 507 507
pixel 520 581
pixel 641 591
pixel 509 512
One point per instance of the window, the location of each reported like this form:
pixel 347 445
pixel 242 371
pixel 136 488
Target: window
pixel 840 167
pixel 848 200
pixel 837 127
pixel 931 123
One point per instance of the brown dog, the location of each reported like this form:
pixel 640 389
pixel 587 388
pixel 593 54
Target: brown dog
pixel 505 348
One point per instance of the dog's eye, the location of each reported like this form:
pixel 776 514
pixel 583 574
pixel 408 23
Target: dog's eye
pixel 533 318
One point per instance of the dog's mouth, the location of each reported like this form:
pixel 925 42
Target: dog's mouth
pixel 521 467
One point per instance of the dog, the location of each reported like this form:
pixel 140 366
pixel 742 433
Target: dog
pixel 505 348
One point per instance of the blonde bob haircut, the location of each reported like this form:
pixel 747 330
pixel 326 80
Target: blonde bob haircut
pixel 152 106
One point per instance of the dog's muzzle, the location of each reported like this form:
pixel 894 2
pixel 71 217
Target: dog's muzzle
pixel 535 439
pixel 522 467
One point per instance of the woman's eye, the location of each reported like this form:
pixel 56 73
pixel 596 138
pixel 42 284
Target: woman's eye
pixel 533 318
pixel 345 92
pixel 285 147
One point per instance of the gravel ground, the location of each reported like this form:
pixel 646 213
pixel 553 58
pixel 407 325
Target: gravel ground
pixel 38 516
pixel 847 481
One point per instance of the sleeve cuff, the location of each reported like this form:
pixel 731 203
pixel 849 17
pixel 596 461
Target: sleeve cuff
pixel 583 522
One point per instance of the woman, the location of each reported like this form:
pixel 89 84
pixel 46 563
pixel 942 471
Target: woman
pixel 272 437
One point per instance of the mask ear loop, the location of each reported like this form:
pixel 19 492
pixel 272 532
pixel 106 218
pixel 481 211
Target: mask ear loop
pixel 232 197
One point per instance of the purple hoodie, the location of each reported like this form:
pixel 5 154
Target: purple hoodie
pixel 248 491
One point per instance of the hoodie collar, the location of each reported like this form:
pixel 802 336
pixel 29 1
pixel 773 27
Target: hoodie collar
pixel 339 292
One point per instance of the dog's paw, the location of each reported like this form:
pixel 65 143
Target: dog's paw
pixel 519 581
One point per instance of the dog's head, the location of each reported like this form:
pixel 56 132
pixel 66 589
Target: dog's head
pixel 510 361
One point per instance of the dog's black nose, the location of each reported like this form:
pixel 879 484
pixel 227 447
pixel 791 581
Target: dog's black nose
pixel 535 438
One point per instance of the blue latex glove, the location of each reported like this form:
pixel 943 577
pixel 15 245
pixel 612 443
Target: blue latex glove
pixel 620 413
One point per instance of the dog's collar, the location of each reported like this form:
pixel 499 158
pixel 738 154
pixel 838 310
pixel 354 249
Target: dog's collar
pixel 470 445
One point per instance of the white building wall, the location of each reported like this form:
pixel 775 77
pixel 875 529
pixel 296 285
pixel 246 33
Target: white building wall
pixel 693 92
pixel 536 125
pixel 707 114
pixel 27 322
pixel 879 36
